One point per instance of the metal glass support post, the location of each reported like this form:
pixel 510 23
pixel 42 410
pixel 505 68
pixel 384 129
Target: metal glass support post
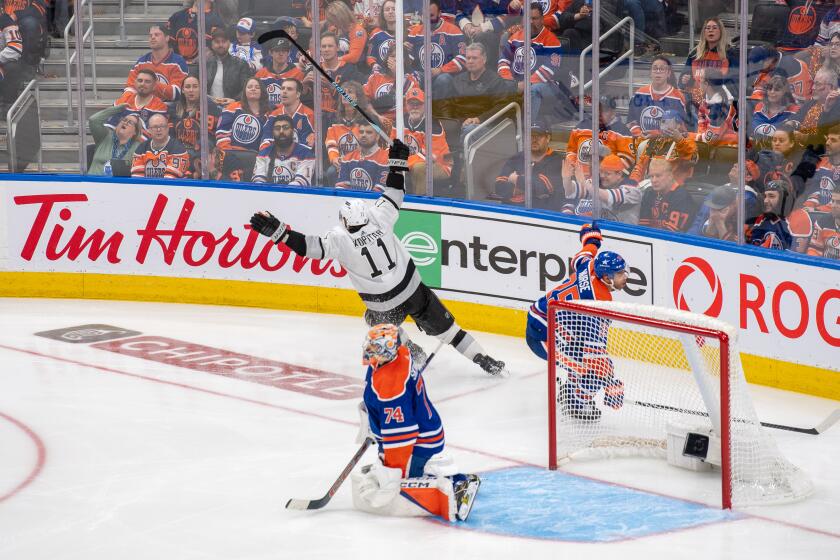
pixel 316 95
pixel 743 66
pixel 80 74
pixel 203 120
pixel 399 77
pixel 92 50
pixel 596 108
pixel 526 102
pixel 122 41
pixel 427 109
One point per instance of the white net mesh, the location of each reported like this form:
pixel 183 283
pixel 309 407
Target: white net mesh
pixel 619 384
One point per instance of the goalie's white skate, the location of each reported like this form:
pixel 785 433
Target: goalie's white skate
pixel 465 493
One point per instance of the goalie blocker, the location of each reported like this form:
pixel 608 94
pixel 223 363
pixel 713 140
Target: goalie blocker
pixel 413 477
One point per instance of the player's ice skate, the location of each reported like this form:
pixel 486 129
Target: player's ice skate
pixel 465 492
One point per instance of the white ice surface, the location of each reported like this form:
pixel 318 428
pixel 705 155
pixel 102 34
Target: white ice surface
pixel 150 461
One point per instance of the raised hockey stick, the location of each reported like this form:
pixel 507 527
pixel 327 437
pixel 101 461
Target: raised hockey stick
pixel 282 34
pixel 817 430
pixel 294 503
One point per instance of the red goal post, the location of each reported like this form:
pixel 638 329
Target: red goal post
pixel 681 376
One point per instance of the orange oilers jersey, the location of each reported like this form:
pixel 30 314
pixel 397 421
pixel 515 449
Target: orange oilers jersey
pixel 272 80
pixel 351 46
pixel 825 239
pixel 170 71
pixel 170 162
pixel 11 42
pixel 403 420
pixel 579 147
pixel 551 8
pixel 341 140
pixel 144 113
pixel 381 85
pixel 415 139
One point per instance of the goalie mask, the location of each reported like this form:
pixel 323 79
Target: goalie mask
pixel 353 215
pixel 381 345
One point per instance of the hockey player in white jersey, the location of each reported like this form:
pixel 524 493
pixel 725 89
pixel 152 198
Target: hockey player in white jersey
pixel 379 266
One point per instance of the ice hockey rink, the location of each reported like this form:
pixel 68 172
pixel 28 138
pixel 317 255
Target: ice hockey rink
pixel 114 451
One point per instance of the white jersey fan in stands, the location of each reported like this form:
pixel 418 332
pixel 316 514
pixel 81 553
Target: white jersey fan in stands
pixel 682 376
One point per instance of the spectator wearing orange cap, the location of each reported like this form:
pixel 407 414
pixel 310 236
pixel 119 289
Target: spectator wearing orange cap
pixel 546 180
pixel 619 195
pixel 415 138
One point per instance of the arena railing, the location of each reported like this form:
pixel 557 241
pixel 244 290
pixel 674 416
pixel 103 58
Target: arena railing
pixel 31 93
pixel 626 55
pixel 70 58
pixel 472 139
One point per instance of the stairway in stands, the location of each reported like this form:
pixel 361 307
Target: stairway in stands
pixel 60 138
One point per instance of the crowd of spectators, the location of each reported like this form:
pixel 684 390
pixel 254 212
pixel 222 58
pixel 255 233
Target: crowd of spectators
pixel 680 129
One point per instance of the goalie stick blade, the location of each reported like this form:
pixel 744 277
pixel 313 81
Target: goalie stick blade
pixel 273 34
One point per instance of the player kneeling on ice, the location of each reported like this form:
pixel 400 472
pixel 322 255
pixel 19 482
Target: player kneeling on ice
pixel 379 266
pixel 413 477
pixel 582 340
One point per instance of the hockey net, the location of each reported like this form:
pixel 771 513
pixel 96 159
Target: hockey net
pixel 627 379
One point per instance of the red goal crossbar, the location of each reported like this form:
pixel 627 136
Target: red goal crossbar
pixel 666 325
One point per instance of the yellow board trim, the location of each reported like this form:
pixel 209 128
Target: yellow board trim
pixel 473 316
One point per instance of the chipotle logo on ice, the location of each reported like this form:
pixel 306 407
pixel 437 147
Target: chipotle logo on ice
pixel 768 303
pixel 55 235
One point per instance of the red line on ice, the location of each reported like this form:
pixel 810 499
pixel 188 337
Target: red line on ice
pixel 41 452
pixel 349 423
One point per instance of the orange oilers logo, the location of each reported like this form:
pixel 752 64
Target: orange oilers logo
pixel 347 143
pixel 187 44
pixel 273 91
pixel 687 269
pixel 802 19
pixel 383 90
pixel 766 130
pixel 518 65
pixel 282 174
pixel 246 129
pixel 437 56
pixel 383 49
pixel 544 5
pixel 361 179
pixel 156 167
pixel 651 117
pixel 413 144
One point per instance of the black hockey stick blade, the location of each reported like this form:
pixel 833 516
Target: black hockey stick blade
pixel 273 34
pixel 815 431
pixel 324 500
pixel 281 34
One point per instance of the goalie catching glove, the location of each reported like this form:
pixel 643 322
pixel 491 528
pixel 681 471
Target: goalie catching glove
pixel 266 224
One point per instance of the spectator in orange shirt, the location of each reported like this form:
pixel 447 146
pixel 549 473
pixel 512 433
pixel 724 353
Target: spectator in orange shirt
pixel 415 138
pixel 352 38
pixel 140 100
pixel 161 156
pixel 342 135
pixel 170 67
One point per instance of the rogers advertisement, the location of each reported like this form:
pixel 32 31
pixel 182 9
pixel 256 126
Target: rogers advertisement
pixel 785 310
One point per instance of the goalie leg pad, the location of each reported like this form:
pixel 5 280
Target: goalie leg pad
pixel 614 394
pixel 413 497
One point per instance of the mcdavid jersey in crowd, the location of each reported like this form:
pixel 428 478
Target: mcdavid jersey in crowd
pixel 376 262
pixel 581 284
pixel 401 416
pixel 170 162
pixel 293 169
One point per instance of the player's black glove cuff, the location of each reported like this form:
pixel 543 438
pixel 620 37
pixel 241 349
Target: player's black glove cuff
pixel 395 180
pixel 398 156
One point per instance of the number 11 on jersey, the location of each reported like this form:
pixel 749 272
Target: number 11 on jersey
pixel 375 270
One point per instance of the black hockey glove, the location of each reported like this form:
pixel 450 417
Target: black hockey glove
pixel 266 224
pixel 397 156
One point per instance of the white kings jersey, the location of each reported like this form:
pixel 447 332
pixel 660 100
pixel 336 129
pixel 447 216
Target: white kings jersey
pixel 376 262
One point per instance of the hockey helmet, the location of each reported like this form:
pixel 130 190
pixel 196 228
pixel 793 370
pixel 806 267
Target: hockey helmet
pixel 353 214
pixel 608 263
pixel 381 345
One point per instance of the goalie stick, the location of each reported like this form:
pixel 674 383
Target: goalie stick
pixel 815 431
pixel 294 503
pixel 282 34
